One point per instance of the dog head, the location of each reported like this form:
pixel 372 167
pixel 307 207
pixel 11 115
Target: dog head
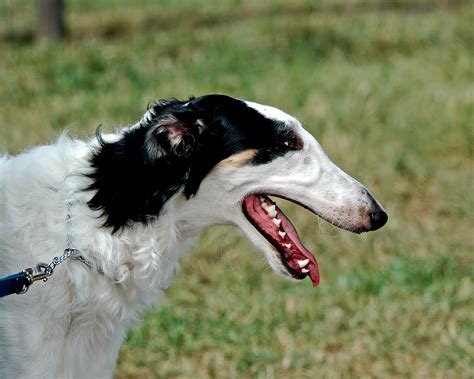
pixel 226 157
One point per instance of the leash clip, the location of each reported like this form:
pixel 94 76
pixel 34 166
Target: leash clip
pixel 42 271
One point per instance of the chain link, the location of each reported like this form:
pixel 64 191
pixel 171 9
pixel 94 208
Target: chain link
pixel 69 242
pixel 58 260
pixel 48 269
pixel 88 263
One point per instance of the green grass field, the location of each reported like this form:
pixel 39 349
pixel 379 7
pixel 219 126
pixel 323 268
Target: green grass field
pixel 387 88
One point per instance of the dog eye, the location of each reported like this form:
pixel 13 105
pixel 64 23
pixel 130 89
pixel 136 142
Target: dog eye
pixel 293 143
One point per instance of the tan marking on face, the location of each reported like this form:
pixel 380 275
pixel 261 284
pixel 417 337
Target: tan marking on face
pixel 239 159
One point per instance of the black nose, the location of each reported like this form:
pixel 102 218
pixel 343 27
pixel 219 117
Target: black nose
pixel 377 219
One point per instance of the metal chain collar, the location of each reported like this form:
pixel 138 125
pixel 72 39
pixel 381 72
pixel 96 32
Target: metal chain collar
pixel 43 271
pixel 58 260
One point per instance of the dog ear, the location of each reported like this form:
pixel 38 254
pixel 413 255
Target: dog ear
pixel 174 134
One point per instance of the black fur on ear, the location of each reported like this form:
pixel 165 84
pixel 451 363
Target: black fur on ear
pixel 134 176
pixel 172 128
pixel 174 134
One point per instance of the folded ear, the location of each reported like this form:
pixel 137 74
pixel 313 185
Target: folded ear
pixel 174 134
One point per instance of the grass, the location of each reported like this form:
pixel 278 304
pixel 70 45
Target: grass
pixel 387 88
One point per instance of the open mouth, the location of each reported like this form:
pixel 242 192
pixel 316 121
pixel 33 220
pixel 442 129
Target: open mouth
pixel 271 222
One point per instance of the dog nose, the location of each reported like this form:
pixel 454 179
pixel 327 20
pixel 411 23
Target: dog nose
pixel 377 219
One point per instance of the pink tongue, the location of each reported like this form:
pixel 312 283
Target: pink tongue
pixel 301 251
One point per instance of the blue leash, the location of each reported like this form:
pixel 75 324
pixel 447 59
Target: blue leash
pixel 17 283
pixel 20 282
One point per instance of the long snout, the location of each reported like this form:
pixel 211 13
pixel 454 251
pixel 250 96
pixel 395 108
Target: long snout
pixel 333 195
pixel 325 189
pixel 346 203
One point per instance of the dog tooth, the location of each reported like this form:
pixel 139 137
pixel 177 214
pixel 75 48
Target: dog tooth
pixel 304 270
pixel 303 263
pixel 287 245
pixel 271 210
pixel 282 234
pixel 277 222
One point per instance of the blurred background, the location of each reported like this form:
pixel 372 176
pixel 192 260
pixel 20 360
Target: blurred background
pixel 385 86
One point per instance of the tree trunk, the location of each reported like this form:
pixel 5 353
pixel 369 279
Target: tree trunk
pixel 50 23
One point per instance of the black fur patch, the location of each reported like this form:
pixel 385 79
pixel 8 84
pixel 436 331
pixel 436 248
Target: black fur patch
pixel 173 149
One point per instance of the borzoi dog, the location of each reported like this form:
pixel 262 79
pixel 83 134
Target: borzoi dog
pixel 126 201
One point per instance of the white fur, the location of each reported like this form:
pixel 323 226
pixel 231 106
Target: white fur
pixel 74 325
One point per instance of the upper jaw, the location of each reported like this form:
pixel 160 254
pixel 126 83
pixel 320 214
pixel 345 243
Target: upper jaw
pixel 355 211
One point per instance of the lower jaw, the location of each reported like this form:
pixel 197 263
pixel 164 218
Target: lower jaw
pixel 288 270
pixel 296 255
